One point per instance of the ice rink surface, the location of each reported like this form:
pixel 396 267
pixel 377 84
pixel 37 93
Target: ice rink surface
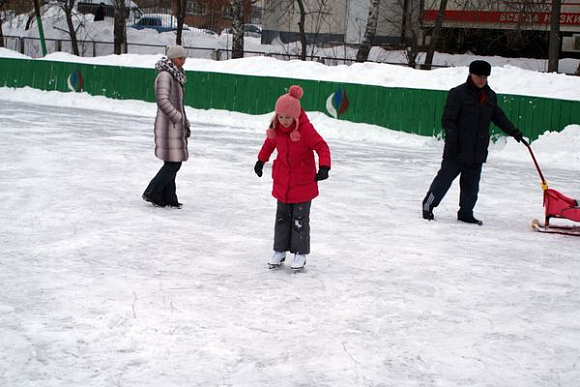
pixel 100 289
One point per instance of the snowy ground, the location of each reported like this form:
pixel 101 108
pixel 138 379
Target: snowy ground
pixel 100 289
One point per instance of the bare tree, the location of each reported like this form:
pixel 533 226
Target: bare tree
pixel 370 32
pixel 37 12
pixel 554 50
pixel 319 16
pixel 180 11
pixel 404 17
pixel 30 20
pixel 311 17
pixel 410 27
pixel 301 29
pixel 119 29
pixel 435 35
pixel 3 4
pixel 238 28
pixel 67 7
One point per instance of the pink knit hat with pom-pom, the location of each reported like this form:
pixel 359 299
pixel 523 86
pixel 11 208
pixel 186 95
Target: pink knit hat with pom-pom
pixel 288 105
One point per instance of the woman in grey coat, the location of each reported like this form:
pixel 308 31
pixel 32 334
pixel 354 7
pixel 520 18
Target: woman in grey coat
pixel 171 128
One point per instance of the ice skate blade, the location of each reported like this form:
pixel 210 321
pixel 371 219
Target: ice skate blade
pixel 297 269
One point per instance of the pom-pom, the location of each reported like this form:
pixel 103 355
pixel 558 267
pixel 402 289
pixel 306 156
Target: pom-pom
pixel 295 136
pixel 296 91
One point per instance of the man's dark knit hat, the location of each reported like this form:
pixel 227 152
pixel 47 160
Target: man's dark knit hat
pixel 480 67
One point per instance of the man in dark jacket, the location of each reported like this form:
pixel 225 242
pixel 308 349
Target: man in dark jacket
pixel 469 109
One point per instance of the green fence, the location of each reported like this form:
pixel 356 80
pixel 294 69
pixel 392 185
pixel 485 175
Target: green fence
pixel 410 110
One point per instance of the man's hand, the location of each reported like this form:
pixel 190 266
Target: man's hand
pixel 518 135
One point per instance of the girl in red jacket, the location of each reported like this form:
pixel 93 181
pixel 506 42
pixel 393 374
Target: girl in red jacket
pixel 294 174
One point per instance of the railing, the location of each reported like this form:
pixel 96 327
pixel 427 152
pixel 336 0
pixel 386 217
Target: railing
pixel 90 48
pixel 30 46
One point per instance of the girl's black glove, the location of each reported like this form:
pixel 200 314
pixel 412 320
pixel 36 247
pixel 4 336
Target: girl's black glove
pixel 322 173
pixel 258 168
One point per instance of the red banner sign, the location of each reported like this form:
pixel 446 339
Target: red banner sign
pixel 498 17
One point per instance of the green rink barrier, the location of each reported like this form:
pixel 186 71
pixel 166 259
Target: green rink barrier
pixel 415 111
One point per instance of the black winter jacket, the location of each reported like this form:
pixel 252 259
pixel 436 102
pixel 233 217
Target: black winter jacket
pixel 466 123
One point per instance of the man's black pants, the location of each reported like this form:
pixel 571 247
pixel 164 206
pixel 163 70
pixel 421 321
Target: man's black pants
pixel 468 185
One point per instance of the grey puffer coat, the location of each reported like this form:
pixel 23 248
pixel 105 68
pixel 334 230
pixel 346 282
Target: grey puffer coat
pixel 171 124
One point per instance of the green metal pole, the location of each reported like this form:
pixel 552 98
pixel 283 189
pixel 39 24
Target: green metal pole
pixel 40 30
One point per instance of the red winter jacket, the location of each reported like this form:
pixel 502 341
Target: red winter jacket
pixel 294 169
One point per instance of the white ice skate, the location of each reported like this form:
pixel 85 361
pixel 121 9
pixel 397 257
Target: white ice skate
pixel 277 259
pixel 299 262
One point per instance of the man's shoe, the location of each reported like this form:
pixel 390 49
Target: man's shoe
pixel 155 203
pixel 428 207
pixel 175 205
pixel 469 219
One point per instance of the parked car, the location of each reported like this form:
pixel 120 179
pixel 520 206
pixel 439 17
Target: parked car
pixel 252 30
pixel 205 31
pixel 227 30
pixel 160 23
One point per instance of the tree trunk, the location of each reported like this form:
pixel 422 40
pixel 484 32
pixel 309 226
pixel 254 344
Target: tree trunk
pixel 119 31
pixel 302 32
pixel 371 30
pixel 68 7
pixel 180 11
pixel 435 35
pixel 554 51
pixel 40 28
pixel 238 27
pixel 3 6
pixel 1 32
pixel 404 21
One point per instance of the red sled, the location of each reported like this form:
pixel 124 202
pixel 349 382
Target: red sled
pixel 556 205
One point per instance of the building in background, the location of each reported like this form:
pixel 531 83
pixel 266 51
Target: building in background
pixel 214 15
pixel 502 26
pixel 329 22
pixel 485 27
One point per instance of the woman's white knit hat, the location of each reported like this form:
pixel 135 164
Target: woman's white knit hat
pixel 176 52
